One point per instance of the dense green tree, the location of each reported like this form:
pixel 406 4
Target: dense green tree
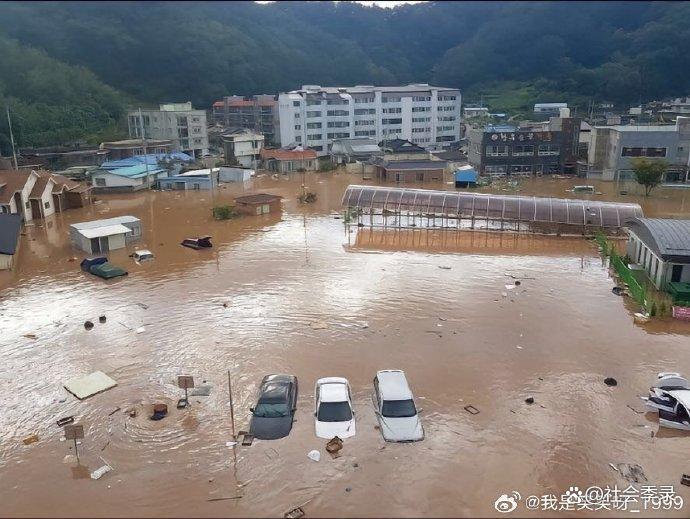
pixel 513 53
pixel 649 173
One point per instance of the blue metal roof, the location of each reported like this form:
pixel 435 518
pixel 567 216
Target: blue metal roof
pixel 465 175
pixel 152 159
pixel 500 128
pixel 137 171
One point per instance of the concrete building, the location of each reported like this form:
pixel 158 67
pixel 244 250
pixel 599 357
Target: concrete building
pixel 613 148
pixel 177 122
pixel 258 204
pixel 289 160
pixel 100 236
pixel 243 147
pixel 662 247
pixel 546 148
pixel 315 116
pixel 405 171
pixel 127 179
pixel 549 108
pixel 361 149
pixel 258 113
pixel 401 149
pixel 39 194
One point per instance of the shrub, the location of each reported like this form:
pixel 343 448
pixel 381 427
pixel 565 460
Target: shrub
pixel 224 212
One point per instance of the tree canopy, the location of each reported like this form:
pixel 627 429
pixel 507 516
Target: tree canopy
pixel 517 52
pixel 649 173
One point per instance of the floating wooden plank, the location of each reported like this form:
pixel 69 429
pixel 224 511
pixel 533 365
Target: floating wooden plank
pixel 89 385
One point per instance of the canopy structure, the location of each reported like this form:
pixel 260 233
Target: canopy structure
pixel 404 207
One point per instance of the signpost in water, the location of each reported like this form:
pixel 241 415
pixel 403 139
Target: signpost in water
pixel 185 382
pixel 74 432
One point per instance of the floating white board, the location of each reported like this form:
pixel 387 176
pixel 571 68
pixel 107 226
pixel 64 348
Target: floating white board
pixel 89 385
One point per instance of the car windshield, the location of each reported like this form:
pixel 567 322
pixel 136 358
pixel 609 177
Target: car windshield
pixel 271 410
pixel 334 412
pixel 398 408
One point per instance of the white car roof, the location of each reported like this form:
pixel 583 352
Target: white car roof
pixel 143 252
pixel 393 385
pixel 682 396
pixel 333 389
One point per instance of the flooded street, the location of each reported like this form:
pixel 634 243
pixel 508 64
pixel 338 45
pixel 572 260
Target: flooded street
pixel 430 303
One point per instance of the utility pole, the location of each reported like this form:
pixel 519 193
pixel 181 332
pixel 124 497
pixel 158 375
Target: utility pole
pixel 143 140
pixel 14 153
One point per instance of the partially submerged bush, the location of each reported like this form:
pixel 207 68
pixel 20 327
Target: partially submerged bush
pixel 224 212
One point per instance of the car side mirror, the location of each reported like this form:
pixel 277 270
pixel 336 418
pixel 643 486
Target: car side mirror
pixel 419 411
pixel 251 409
pixel 377 412
pixel 314 413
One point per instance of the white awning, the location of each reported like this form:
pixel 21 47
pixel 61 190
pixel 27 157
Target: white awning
pixel 101 232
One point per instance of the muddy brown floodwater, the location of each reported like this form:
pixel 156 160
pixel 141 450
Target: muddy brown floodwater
pixel 432 304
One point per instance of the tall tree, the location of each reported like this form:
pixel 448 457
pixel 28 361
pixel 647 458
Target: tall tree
pixel 649 173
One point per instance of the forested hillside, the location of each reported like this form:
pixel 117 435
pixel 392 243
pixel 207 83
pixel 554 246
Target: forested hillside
pixel 510 53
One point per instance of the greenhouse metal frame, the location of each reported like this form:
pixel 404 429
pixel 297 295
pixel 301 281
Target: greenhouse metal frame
pixel 380 206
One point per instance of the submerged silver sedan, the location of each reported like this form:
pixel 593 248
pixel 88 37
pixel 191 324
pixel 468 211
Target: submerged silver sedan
pixel 395 409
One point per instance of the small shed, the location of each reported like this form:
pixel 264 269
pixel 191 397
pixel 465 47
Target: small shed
pixel 198 179
pixel 662 247
pixel 466 176
pixel 10 227
pixel 260 203
pixel 411 170
pixel 100 236
pixel 234 174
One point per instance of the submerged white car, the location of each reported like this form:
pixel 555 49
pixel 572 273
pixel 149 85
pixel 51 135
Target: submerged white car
pixel 333 408
pixel 142 255
pixel 395 409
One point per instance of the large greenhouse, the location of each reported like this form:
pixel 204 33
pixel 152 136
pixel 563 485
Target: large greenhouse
pixel 377 206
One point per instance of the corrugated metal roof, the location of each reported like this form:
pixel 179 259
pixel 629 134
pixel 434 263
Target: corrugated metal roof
pixel 10 225
pixel 665 236
pixel 107 230
pixel 106 221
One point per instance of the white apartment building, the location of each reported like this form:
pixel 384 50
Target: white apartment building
pixel 315 116
pixel 178 122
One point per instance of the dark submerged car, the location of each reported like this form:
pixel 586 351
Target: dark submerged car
pixel 275 409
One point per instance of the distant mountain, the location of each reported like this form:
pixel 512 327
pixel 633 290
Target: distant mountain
pixel 511 53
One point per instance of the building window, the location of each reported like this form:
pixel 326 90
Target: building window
pixel 338 124
pixel 313 126
pixel 364 100
pixel 421 109
pixel 365 133
pixel 521 170
pixel 46 205
pixel 339 135
pixel 298 138
pixel 643 152
pixel 314 137
pixel 421 130
pixel 421 98
pixel 421 119
pixel 100 182
pixel 446 98
pixel 450 108
pixel 313 103
pixel 336 102
pixel 297 116
pixel 495 170
pixel 392 110
pixel 313 114
pixel 392 121
pixel 390 99
pixel 298 127
pixel 497 151
pixel 365 111
pixel 549 149
pixel 523 151
pixel 295 103
pixel 368 122
pixel 337 113
pixel 316 148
